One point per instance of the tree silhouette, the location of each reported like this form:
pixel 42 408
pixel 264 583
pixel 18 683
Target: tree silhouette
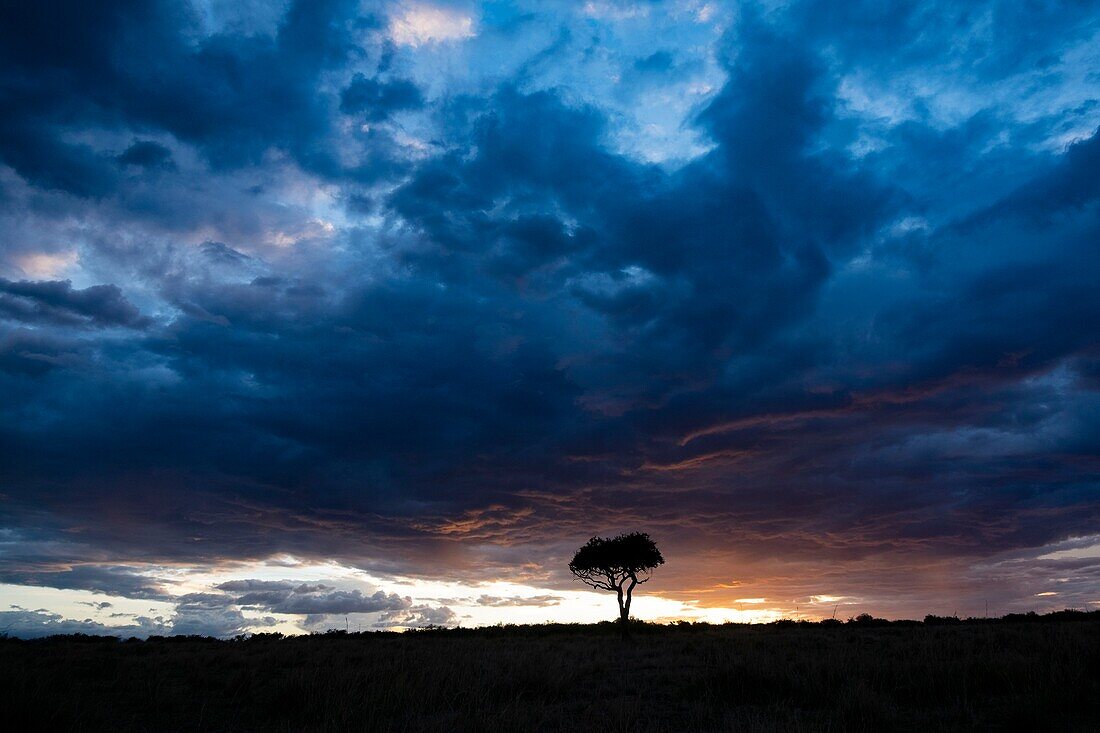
pixel 617 564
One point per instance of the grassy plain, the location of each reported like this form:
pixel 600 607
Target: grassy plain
pixel 1024 674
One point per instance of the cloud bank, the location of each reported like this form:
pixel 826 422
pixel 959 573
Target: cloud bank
pixel 807 292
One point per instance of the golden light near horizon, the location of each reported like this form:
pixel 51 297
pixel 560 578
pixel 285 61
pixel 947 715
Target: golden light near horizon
pixel 171 597
pixel 484 603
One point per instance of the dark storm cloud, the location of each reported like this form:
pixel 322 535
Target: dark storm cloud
pixel 1070 186
pixel 377 99
pixel 766 120
pixel 59 303
pixel 146 154
pixel 44 161
pixel 29 353
pixel 99 579
pixel 304 598
pixel 144 63
pixel 832 348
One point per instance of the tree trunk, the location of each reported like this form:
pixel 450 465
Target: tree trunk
pixel 624 614
pixel 624 606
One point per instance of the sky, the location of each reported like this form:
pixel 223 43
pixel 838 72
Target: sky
pixel 366 315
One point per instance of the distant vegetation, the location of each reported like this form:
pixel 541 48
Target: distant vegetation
pixel 1022 672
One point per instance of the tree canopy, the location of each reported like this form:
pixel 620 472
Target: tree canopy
pixel 617 564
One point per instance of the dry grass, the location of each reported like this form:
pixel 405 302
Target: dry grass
pixel 851 677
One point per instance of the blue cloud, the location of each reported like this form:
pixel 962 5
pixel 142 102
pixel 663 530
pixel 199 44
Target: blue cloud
pixel 329 293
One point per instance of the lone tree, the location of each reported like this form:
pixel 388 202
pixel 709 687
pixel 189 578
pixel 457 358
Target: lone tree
pixel 617 564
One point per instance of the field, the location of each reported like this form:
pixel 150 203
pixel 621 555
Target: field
pixel 1023 674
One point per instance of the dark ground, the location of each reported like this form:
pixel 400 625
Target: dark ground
pixel 1033 674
